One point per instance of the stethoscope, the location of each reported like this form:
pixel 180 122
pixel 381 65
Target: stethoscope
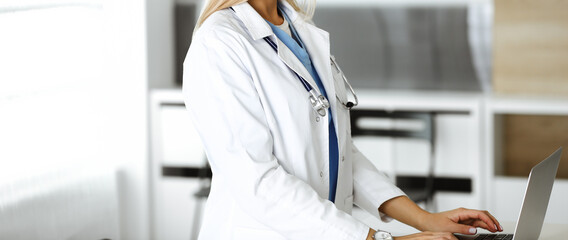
pixel 320 104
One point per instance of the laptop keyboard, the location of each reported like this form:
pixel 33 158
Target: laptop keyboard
pixel 494 237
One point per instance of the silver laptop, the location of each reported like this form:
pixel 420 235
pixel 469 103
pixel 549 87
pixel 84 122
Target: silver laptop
pixel 535 202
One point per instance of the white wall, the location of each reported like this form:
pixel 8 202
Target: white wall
pixel 73 92
pixel 127 111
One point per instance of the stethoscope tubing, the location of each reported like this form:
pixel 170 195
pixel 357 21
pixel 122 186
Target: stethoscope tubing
pixel 307 85
pixel 349 104
pixel 310 89
pixel 320 104
pixel 318 101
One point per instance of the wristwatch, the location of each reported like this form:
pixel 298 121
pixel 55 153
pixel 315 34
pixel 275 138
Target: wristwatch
pixel 382 235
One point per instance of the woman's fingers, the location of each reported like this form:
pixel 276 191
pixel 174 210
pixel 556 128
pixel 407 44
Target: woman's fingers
pixel 499 227
pixel 463 229
pixel 461 220
pixel 491 224
pixel 475 223
pixel 479 224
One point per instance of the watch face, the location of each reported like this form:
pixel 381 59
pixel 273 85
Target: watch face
pixel 381 235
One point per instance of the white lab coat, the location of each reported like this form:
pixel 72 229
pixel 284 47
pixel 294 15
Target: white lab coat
pixel 267 147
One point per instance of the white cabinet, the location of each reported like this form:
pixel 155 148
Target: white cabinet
pixel 177 213
pixel 179 143
pixel 458 148
pixel 177 158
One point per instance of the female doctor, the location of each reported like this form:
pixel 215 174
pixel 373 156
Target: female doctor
pixel 272 110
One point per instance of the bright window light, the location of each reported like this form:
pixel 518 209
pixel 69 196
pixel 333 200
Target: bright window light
pixel 51 60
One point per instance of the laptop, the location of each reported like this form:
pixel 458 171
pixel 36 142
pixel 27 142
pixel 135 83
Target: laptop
pixel 534 205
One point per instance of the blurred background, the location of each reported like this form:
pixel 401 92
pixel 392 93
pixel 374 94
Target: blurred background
pixel 458 100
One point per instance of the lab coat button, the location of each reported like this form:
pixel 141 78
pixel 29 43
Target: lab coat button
pixel 321 174
pixel 342 158
pixel 317 119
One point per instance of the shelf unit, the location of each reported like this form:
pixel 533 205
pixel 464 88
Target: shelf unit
pixel 505 193
pixel 458 116
pixel 177 159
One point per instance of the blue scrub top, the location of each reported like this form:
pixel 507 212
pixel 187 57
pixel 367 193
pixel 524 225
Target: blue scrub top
pixel 295 44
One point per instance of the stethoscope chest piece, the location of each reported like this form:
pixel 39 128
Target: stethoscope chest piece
pixel 319 103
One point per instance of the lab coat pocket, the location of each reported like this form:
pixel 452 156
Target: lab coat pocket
pixel 242 233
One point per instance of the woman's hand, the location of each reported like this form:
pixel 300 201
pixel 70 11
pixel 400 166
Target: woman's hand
pixel 461 220
pixel 428 236
pixel 438 225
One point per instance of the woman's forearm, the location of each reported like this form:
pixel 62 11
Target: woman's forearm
pixel 406 211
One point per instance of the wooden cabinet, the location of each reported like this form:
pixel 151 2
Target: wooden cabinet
pixel 520 132
pixel 530 47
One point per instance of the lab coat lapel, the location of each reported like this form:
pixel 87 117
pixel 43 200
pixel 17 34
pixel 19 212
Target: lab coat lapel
pixel 259 29
pixel 288 57
pixel 316 42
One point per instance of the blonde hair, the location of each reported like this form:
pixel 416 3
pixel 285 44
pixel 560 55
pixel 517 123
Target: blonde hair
pixel 213 6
